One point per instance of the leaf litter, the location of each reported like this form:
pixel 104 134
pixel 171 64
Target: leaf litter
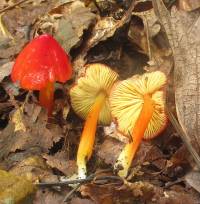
pixel 130 38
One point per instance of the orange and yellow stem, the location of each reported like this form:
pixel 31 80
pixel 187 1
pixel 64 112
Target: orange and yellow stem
pixel 126 156
pixel 46 97
pixel 88 135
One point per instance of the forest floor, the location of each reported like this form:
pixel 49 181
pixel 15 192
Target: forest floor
pixel 129 37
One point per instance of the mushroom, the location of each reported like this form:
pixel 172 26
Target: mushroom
pixel 89 99
pixel 138 106
pixel 39 65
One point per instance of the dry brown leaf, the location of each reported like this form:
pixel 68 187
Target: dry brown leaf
pixel 148 193
pixel 5 70
pixel 151 19
pixel 16 157
pixel 67 22
pixel 105 151
pixel 99 194
pixel 152 154
pixel 50 196
pixel 38 2
pixel 4 107
pixel 81 201
pixel 33 168
pixel 59 161
pixel 77 18
pixel 4 3
pixel 177 196
pixel 139 192
pixel 180 157
pixel 151 41
pixel 146 153
pixel 62 2
pixel 138 188
pixel 182 29
pixel 193 179
pixel 189 5
pixel 18 22
pixel 103 29
pixel 17 119
pixel 36 135
pixel 112 193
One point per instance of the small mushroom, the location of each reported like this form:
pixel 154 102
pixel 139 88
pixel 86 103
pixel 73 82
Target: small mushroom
pixel 138 105
pixel 39 65
pixel 89 99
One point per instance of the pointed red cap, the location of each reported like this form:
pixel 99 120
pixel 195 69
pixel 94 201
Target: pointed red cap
pixel 43 60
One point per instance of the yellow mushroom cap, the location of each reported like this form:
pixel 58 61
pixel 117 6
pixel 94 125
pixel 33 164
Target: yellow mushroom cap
pixel 126 102
pixel 98 78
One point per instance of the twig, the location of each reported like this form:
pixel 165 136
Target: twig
pixel 68 196
pixel 171 183
pixel 64 183
pixel 128 13
pixel 92 177
pixel 12 6
pixel 148 37
pixel 103 178
pixel 116 178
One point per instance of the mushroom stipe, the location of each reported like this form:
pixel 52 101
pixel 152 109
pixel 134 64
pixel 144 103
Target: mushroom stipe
pixel 138 106
pixel 89 99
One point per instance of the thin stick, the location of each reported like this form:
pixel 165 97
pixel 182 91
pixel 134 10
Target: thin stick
pixel 12 6
pixel 68 196
pixel 115 178
pixel 64 183
pixel 79 181
pixel 148 37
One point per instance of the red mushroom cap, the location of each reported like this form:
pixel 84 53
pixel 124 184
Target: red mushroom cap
pixel 41 61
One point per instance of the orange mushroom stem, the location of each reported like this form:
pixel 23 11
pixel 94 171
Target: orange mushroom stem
pixel 128 153
pixel 88 135
pixel 138 106
pixel 46 97
pixel 89 99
